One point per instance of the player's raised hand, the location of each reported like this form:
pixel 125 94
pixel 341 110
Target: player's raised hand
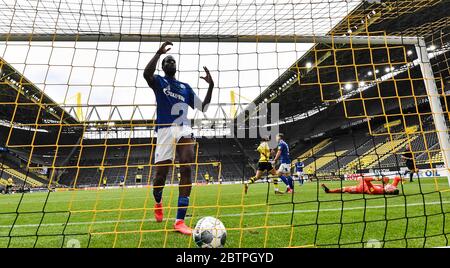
pixel 207 77
pixel 164 49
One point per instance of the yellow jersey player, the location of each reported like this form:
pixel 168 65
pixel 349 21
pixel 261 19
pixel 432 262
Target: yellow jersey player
pixel 206 178
pixel 264 164
pixel 9 186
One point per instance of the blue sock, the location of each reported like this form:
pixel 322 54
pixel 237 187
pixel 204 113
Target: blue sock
pixel 284 179
pixel 291 182
pixel 183 203
pixel 157 194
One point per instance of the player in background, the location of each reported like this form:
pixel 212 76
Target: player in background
pixel 104 181
pixel 173 99
pixel 299 170
pixel 365 186
pixel 206 176
pixel 409 162
pixel 264 165
pixel 284 170
pixel 122 182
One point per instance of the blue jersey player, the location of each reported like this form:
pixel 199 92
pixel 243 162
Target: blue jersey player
pixel 284 170
pixel 174 135
pixel 299 170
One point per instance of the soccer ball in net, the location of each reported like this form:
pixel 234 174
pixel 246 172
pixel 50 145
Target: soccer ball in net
pixel 209 232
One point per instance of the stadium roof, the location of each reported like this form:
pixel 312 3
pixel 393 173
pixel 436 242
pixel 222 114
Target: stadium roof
pixel 24 103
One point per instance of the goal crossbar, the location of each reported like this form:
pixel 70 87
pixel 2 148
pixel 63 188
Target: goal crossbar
pixel 117 37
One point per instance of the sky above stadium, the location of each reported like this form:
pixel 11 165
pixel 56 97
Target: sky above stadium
pixel 111 72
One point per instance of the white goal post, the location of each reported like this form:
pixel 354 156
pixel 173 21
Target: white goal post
pixel 112 37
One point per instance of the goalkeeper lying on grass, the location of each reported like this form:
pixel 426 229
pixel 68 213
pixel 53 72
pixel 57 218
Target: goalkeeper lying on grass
pixel 365 186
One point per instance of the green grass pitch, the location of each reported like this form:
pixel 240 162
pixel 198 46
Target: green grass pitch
pixel 419 217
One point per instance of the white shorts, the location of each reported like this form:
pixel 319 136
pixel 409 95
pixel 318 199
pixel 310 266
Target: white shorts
pixel 284 168
pixel 167 140
pixel 299 174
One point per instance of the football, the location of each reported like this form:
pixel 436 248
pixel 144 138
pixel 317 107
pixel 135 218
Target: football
pixel 209 232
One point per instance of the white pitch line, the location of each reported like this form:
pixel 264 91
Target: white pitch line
pixel 226 215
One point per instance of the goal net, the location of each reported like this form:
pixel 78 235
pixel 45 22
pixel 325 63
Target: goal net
pixel 358 88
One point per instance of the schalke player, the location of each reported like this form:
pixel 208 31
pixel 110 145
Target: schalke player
pixel 284 170
pixel 299 170
pixel 173 130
